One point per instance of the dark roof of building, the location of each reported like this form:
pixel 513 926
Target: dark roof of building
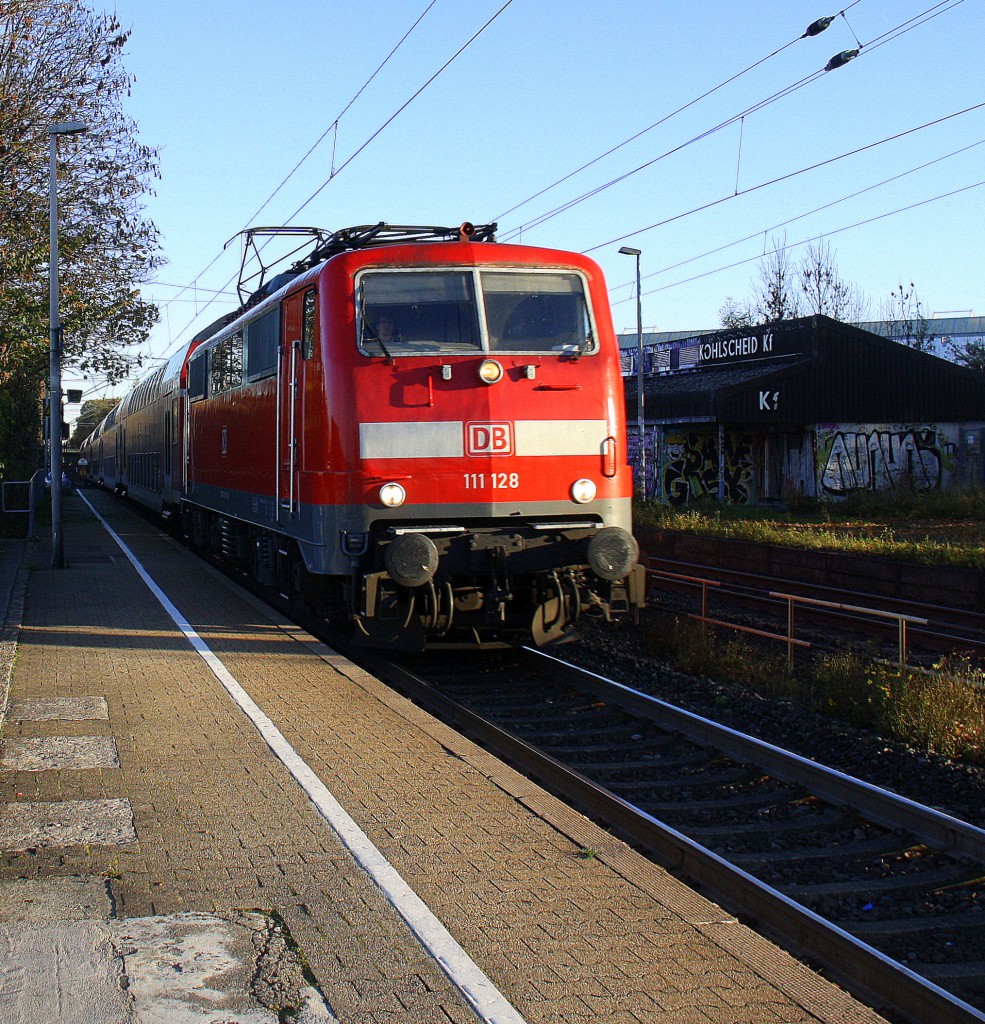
pixel 810 370
pixel 955 327
pixel 694 394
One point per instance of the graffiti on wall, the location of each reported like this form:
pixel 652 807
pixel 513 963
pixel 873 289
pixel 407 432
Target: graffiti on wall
pixel 856 458
pixel 690 466
pixel 644 484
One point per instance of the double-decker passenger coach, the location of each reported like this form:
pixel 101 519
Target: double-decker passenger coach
pixel 417 431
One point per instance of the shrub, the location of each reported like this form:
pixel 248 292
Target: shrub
pixel 943 711
pixel 706 651
pixel 847 684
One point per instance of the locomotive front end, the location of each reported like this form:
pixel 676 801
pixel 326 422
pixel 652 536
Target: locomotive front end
pixel 491 496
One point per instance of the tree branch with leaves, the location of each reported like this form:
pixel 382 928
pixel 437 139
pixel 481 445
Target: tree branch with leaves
pixel 62 61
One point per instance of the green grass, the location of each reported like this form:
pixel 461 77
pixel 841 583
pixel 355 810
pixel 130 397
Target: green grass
pixel 931 528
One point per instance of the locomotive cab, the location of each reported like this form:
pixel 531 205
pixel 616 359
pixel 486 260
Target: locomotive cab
pixel 495 507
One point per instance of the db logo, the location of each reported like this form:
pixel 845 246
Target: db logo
pixel 489 439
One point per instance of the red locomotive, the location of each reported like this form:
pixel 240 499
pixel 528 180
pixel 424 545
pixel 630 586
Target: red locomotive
pixel 416 430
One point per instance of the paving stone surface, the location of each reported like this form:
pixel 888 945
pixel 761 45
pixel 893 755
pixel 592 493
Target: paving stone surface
pixel 58 709
pixel 65 958
pixel 47 753
pixel 221 827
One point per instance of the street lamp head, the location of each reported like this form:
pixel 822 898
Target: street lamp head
pixel 628 250
pixel 67 128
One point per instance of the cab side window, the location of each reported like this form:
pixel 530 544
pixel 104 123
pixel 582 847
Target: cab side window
pixel 197 379
pixel 226 364
pixel 263 345
pixel 308 325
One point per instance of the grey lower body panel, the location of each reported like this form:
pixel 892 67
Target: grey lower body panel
pixel 320 530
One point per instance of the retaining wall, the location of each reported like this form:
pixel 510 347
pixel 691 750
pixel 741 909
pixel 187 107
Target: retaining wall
pixel 951 587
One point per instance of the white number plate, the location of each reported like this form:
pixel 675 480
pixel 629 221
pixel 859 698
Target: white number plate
pixel 495 481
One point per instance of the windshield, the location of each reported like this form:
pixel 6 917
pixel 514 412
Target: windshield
pixel 436 311
pixel 528 312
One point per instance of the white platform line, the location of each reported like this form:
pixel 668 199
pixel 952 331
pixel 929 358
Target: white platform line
pixel 488 1003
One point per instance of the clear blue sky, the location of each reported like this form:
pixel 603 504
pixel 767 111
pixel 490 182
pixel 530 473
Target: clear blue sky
pixel 236 93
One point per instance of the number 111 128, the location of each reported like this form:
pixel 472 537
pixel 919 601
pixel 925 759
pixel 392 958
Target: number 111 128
pixel 495 481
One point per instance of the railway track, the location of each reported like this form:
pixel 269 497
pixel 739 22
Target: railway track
pixel 885 894
pixel 945 631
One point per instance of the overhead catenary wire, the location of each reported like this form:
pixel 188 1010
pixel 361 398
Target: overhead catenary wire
pixel 649 128
pixel 814 29
pixel 783 177
pixel 570 204
pixel 800 216
pixel 939 8
pixel 825 234
pixel 187 287
pixel 400 110
pixel 338 117
pixel 839 60
pixel 334 125
pixel 375 134
pixel 917 21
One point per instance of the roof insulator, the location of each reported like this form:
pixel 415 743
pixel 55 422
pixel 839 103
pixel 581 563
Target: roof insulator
pixel 817 27
pixel 839 60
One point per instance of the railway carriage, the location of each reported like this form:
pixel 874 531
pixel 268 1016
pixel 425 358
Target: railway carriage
pixel 413 430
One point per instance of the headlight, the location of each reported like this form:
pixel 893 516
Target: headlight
pixel 582 491
pixel 490 372
pixel 392 495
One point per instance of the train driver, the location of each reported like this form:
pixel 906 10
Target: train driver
pixel 386 330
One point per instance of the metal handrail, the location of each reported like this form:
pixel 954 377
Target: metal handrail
pixel 705 584
pixel 33 489
pixel 901 619
pixel 792 601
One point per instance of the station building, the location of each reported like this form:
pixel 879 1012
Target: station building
pixel 809 407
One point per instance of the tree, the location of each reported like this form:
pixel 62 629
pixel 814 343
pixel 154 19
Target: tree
pixel 905 318
pixel 783 290
pixel 60 61
pixel 822 289
pixel 91 415
pixel 775 293
pixel 736 315
pixel 970 354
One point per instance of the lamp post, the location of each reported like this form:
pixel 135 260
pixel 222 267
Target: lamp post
pixel 628 250
pixel 55 346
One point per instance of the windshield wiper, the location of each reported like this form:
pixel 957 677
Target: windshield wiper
pixel 367 327
pixel 373 336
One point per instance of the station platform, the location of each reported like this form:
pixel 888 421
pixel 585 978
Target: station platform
pixel 160 859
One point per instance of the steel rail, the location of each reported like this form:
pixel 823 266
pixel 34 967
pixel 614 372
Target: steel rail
pixel 870 974
pixel 937 829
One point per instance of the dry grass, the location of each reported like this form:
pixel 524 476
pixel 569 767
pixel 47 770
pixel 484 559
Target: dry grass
pixel 941 711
